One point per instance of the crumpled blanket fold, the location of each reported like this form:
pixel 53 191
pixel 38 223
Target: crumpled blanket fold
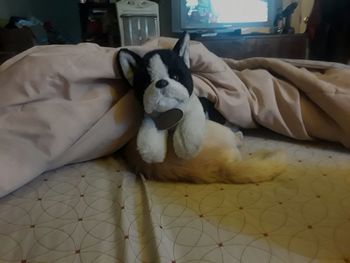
pixel 66 104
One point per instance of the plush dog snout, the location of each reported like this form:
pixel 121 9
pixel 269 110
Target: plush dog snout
pixel 161 83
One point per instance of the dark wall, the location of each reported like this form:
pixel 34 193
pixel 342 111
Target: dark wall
pixel 19 7
pixel 64 14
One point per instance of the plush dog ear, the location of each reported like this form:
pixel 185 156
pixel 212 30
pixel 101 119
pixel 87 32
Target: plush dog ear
pixel 182 48
pixel 127 62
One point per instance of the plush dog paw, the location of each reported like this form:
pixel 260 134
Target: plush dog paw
pixel 187 143
pixel 151 142
pixel 239 138
pixel 189 134
pixel 184 148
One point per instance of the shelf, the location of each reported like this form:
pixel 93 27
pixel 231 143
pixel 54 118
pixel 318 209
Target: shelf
pixel 292 46
pixel 99 23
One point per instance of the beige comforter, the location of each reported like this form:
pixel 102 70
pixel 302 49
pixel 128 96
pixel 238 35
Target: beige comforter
pixel 65 104
pixel 298 98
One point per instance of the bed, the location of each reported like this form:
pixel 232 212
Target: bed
pixel 98 211
pixel 65 197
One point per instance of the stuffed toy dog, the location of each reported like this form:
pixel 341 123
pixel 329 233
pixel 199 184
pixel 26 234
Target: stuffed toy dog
pixel 163 84
pixel 175 141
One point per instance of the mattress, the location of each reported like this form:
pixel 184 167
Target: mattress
pixel 98 211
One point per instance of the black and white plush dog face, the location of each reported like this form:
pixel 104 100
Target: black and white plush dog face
pixel 161 78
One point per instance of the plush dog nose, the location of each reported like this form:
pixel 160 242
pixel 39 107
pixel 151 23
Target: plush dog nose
pixel 161 83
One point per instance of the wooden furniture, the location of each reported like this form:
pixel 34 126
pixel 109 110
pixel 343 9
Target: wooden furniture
pixel 329 31
pixel 99 23
pixel 292 46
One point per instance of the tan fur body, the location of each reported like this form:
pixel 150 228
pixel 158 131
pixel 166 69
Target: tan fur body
pixel 219 161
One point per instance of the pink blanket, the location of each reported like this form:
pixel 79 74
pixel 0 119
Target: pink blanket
pixel 66 104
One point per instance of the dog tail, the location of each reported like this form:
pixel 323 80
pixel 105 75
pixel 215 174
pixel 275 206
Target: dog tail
pixel 259 167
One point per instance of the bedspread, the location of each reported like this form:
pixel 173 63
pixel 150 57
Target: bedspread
pixel 61 105
pixel 301 99
pixel 67 104
pixel 99 211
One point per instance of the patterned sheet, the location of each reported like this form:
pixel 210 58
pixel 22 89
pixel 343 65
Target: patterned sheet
pixel 99 212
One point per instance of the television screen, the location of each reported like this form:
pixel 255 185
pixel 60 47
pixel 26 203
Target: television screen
pixel 226 11
pixel 207 14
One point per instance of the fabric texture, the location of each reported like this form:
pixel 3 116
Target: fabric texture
pixel 67 104
pixel 300 99
pixel 100 212
pixel 60 105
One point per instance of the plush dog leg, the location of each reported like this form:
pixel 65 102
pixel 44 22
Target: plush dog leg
pixel 189 134
pixel 239 138
pixel 151 142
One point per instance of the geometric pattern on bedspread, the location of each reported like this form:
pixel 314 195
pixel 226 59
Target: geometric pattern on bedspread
pixel 99 212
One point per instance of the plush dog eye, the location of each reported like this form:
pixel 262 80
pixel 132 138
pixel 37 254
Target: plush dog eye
pixel 175 77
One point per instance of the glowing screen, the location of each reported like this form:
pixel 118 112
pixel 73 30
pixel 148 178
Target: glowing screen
pixel 201 12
